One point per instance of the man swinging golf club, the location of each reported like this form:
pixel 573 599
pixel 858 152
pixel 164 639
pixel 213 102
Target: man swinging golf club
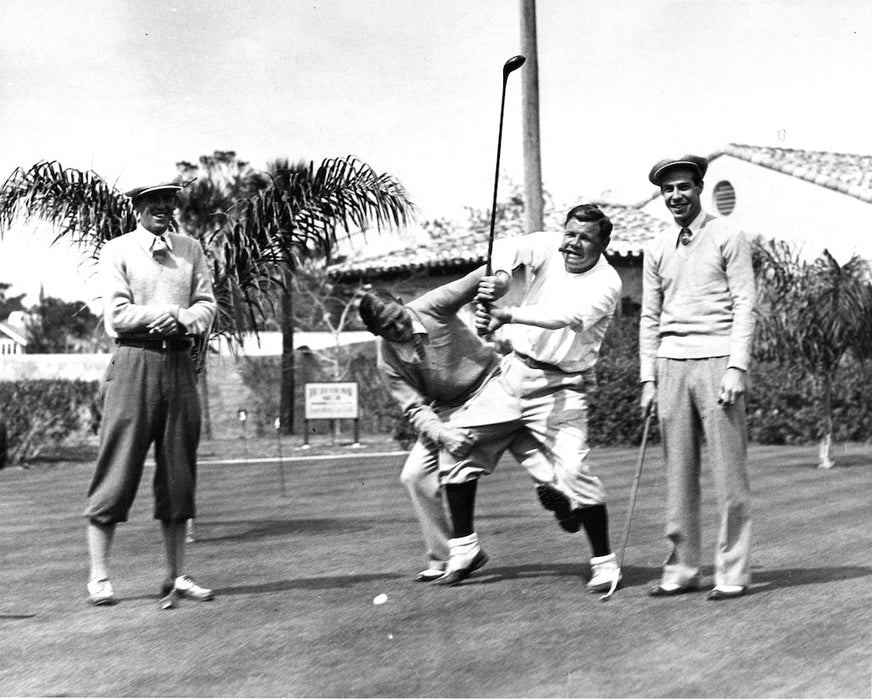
pixel 432 363
pixel 542 386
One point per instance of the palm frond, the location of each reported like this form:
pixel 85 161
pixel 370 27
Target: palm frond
pixel 306 208
pixel 81 206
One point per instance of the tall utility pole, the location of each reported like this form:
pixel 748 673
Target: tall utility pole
pixel 533 217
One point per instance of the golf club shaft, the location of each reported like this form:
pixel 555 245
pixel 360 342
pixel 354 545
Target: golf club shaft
pixel 490 242
pixel 635 488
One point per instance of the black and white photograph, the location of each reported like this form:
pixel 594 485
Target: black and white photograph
pixel 448 349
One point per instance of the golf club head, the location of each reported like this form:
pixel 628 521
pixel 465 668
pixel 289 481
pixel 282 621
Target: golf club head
pixel 513 64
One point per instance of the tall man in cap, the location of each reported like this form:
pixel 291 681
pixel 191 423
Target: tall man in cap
pixel 157 294
pixel 543 384
pixel 697 323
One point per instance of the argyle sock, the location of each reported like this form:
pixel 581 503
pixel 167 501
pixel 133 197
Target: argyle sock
pixel 595 520
pixel 461 505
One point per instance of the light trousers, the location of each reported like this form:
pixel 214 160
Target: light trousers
pixel 548 406
pixel 687 404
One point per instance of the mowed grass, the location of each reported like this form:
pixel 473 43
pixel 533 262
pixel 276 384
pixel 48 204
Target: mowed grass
pixel 296 575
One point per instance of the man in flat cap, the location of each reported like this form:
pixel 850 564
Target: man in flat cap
pixel 157 294
pixel 697 323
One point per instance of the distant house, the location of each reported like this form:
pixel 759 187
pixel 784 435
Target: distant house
pixel 816 199
pixel 451 253
pixel 13 340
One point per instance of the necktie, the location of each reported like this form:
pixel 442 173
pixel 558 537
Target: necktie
pixel 159 247
pixel 419 347
pixel 685 236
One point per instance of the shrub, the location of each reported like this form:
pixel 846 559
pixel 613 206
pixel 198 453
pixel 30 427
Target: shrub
pixel 41 413
pixel 785 403
pixel 614 417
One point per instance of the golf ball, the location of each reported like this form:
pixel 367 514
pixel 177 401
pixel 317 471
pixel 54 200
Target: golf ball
pixel 380 599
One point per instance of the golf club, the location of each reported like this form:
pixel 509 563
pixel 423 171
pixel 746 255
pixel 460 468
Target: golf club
pixel 633 493
pixel 511 65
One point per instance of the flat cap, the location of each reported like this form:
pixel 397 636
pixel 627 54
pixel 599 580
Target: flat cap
pixel 138 193
pixel 697 163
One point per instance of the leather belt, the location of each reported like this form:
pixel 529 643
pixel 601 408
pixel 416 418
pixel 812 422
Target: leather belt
pixel 589 375
pixel 538 364
pixel 179 344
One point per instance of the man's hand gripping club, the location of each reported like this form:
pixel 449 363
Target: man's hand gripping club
pixel 491 288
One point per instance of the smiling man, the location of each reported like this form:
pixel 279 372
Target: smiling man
pixel 543 384
pixel 695 333
pixel 157 294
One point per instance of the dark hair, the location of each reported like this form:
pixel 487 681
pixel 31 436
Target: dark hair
pixel 591 213
pixel 372 305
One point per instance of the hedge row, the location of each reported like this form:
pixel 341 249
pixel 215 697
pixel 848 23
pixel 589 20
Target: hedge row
pixel 783 403
pixel 39 413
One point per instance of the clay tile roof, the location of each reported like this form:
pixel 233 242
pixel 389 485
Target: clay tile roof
pixel 453 246
pixel 849 173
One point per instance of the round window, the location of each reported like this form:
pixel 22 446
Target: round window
pixel 725 198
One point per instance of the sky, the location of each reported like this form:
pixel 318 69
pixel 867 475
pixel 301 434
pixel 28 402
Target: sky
pixel 128 88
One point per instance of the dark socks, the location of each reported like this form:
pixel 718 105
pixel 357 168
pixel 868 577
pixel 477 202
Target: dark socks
pixel 595 520
pixel 461 504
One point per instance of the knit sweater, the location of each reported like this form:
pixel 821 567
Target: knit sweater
pixel 456 360
pixel 698 302
pixel 139 285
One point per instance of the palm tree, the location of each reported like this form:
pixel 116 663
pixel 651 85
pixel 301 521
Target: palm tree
pixel 309 209
pixel 215 184
pixel 812 314
pixel 253 242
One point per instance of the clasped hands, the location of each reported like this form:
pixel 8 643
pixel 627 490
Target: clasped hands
pixel 491 288
pixel 165 324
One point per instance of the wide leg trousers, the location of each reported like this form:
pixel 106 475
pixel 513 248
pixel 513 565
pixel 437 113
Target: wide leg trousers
pixel 687 404
pixel 149 396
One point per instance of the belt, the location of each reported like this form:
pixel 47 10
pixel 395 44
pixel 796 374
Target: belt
pixel 176 343
pixel 538 364
pixel 589 375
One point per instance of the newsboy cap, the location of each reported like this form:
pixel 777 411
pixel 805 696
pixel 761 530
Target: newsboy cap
pixel 697 163
pixel 138 193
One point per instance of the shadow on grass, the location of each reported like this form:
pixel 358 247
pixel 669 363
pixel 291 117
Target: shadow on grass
pixel 254 529
pixel 785 578
pixel 633 576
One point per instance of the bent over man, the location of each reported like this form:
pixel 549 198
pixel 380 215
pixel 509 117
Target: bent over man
pixel 697 323
pixel 432 363
pixel 542 386
pixel 156 294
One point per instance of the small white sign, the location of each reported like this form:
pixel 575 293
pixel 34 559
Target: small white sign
pixel 331 400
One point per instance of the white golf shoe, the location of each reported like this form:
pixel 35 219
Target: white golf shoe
pixel 186 587
pixel 604 571
pixel 100 592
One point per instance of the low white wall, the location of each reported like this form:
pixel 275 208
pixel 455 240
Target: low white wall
pixel 69 366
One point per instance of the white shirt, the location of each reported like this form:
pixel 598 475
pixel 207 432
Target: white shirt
pixel 576 307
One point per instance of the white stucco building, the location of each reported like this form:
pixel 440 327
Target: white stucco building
pixel 816 199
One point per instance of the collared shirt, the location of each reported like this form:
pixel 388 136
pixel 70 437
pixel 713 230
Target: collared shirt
pixel 407 351
pixel 140 282
pixel 695 226
pixel 574 309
